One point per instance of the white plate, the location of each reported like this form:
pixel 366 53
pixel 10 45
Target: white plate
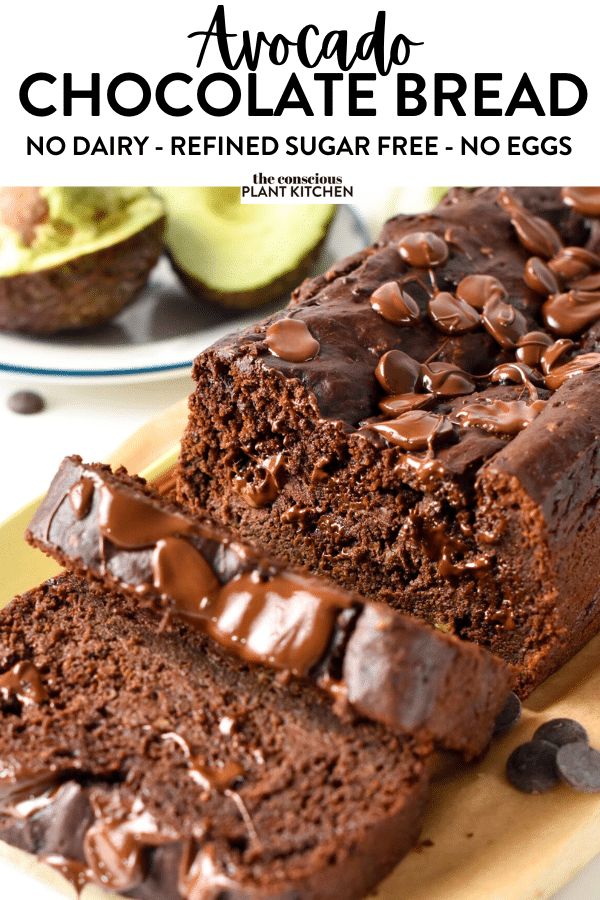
pixel 159 335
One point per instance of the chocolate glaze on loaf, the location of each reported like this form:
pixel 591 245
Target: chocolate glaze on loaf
pixel 439 450
pixel 373 661
pixel 156 765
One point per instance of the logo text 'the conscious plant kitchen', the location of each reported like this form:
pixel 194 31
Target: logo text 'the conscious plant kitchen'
pixel 238 85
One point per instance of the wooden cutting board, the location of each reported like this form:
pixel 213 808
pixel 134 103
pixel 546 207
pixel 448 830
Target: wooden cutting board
pixel 483 840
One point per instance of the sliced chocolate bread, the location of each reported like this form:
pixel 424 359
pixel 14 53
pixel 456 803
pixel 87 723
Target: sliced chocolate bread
pixel 374 662
pixel 158 765
pixel 421 424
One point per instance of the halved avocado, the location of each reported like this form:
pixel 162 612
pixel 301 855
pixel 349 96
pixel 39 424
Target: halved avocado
pixel 237 255
pixel 73 257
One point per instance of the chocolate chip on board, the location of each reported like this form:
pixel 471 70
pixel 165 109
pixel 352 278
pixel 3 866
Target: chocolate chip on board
pixel 26 403
pixel 531 767
pixel 510 715
pixel 561 731
pixel 579 766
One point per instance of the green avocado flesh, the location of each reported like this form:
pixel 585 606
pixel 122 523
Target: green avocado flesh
pixel 64 223
pixel 230 247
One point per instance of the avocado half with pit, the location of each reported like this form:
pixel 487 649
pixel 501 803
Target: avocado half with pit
pixel 241 256
pixel 73 257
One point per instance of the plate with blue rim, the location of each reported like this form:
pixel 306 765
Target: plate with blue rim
pixel 160 333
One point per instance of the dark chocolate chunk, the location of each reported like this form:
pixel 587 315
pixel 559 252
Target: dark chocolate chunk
pixel 579 765
pixel 531 767
pixel 561 731
pixel 26 403
pixel 509 716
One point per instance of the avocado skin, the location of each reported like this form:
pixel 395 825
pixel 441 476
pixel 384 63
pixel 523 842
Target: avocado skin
pixel 259 296
pixel 83 292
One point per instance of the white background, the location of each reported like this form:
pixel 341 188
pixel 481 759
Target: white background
pixel 463 36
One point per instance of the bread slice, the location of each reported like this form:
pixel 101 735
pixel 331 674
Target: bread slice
pixel 375 662
pixel 158 765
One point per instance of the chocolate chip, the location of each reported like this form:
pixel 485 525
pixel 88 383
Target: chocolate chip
pixel 531 767
pixel 510 715
pixel 540 277
pixel 554 352
pixel 291 340
pixel 423 249
pixel 505 323
pixel 579 766
pixel 535 234
pixel 571 312
pixel 531 347
pixel 446 380
pixel 585 200
pixel 476 290
pixel 397 372
pixel 573 263
pixel 451 314
pixel 561 731
pixel 393 304
pixel 26 403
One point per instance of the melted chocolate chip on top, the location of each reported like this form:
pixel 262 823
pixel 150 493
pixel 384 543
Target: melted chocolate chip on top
pixel 397 372
pixel 585 200
pixel 291 340
pixel 476 290
pixel 416 430
pixel 423 249
pixel 394 304
pixel 451 314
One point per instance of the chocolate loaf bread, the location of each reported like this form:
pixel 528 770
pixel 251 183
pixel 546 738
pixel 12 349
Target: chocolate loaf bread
pixel 157 765
pixel 421 424
pixel 373 661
